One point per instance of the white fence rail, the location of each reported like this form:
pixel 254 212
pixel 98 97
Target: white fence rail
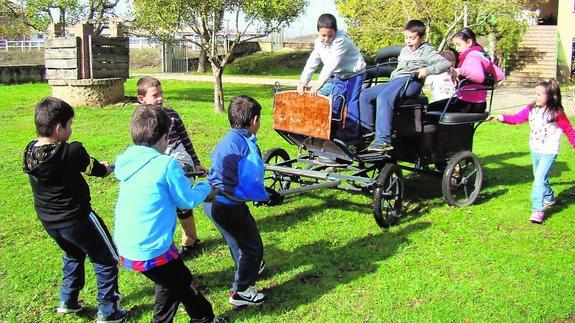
pixel 21 45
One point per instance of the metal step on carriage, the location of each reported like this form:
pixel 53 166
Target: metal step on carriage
pixel 432 142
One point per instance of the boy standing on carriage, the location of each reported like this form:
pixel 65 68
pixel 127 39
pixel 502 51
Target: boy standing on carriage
pixel 343 67
pixel 238 174
pixel 181 148
pixel 416 61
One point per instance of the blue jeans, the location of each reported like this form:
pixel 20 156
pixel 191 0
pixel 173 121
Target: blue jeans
pixel 385 97
pixel 541 190
pixel 238 227
pixel 93 239
pixel 348 89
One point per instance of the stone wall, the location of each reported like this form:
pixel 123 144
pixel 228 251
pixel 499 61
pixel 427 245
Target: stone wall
pixel 98 92
pixel 22 74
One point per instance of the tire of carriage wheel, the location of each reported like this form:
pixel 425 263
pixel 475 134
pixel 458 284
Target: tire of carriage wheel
pixel 388 195
pixel 462 179
pixel 273 157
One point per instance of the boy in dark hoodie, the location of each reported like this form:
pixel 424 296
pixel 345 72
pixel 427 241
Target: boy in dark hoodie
pixel 62 203
pixel 416 61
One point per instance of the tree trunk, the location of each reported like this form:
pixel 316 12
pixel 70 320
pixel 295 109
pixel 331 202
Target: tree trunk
pixel 218 88
pixel 202 62
pixel 492 39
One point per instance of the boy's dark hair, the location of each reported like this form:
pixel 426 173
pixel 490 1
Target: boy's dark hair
pixel 149 123
pixel 147 82
pixel 49 112
pixel 242 110
pixel 416 26
pixel 326 21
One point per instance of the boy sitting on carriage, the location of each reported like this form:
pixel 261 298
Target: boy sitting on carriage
pixel 417 59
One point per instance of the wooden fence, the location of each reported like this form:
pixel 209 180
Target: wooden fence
pixel 109 57
pixel 62 58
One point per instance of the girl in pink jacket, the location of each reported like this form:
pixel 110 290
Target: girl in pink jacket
pixel 547 121
pixel 474 65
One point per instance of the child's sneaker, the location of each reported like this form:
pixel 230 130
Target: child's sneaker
pixel 548 203
pixel 379 147
pixel 188 251
pixel 64 308
pixel 217 319
pixel 537 217
pixel 117 317
pixel 248 297
pixel 262 267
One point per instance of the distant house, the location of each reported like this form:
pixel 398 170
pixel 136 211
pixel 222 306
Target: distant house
pixel 566 37
pixel 547 49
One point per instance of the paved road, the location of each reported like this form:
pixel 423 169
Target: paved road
pixel 505 99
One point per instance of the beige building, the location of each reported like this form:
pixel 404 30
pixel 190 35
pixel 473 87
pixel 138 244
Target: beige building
pixel 547 49
pixel 566 37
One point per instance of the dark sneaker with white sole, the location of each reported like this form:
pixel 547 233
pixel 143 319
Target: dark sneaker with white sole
pixel 64 308
pixel 262 267
pixel 217 319
pixel 248 297
pixel 117 317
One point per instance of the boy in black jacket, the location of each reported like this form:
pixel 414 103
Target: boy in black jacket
pixel 62 203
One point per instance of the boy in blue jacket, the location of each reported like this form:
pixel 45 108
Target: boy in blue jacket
pixel 238 172
pixel 152 186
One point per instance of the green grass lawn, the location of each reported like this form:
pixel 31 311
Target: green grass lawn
pixel 326 258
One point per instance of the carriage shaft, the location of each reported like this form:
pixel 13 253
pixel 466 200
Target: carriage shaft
pixel 327 184
pixel 319 174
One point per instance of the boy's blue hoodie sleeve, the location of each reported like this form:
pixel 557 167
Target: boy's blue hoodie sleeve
pixel 180 189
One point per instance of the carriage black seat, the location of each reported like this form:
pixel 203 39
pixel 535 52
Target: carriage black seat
pixel 413 101
pixel 455 118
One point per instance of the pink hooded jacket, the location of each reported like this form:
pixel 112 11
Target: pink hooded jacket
pixel 474 65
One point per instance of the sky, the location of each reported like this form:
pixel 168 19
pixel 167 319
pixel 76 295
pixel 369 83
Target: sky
pixel 304 25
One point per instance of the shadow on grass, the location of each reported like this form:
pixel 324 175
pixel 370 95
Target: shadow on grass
pixel 508 174
pixel 330 267
pixel 328 200
pixel 564 199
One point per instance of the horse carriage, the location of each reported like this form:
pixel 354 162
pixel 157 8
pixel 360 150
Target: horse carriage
pixel 432 142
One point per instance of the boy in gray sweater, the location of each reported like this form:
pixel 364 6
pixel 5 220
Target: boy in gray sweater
pixel 415 59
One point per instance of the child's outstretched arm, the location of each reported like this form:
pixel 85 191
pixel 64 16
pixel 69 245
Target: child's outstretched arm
pixel 179 188
pixel 312 63
pixel 520 117
pixel 565 125
pixel 82 162
pixel 180 128
pixel 497 117
pixel 437 64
